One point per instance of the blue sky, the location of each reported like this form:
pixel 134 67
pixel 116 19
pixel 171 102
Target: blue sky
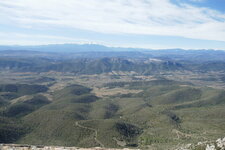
pixel 160 24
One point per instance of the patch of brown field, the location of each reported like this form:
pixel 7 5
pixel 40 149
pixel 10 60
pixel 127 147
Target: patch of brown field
pixel 101 92
pixel 21 99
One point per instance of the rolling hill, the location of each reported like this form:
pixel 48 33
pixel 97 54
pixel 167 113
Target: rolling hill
pixel 137 99
pixel 157 115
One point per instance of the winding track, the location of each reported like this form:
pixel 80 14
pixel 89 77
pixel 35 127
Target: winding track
pixel 92 129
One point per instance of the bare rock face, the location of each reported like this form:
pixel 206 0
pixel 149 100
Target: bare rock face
pixel 31 147
pixel 219 144
pixel 210 147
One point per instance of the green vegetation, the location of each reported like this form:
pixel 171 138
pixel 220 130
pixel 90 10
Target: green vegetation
pixel 165 112
pixel 145 102
pixel 11 130
pixel 23 108
pixel 22 89
pixel 128 130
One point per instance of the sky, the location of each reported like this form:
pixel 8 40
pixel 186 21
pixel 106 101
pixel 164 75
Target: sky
pixel 155 24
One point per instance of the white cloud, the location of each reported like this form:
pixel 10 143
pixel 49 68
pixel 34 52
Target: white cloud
pixel 157 17
pixel 197 0
pixel 7 38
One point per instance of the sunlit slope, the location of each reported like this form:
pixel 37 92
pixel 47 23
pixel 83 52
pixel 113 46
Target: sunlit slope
pixel 165 113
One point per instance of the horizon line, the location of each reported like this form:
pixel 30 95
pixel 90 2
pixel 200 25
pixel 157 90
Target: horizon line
pixel 110 46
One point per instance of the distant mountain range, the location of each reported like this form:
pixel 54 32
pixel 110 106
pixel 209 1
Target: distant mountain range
pixel 92 59
pixel 96 51
pixel 84 48
pixel 66 48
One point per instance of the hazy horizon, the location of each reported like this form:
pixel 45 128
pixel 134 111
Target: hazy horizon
pixel 102 45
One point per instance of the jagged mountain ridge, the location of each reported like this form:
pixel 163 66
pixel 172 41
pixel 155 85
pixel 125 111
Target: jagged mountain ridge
pixel 89 66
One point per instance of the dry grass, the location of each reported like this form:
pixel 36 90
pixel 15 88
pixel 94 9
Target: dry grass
pixel 101 92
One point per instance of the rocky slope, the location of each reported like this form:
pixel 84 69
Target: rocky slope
pixel 219 144
pixel 31 147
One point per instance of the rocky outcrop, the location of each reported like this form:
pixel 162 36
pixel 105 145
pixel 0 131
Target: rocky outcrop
pixel 219 144
pixel 32 147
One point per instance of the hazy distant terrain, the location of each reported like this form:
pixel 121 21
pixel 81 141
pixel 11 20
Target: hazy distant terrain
pixel 92 95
